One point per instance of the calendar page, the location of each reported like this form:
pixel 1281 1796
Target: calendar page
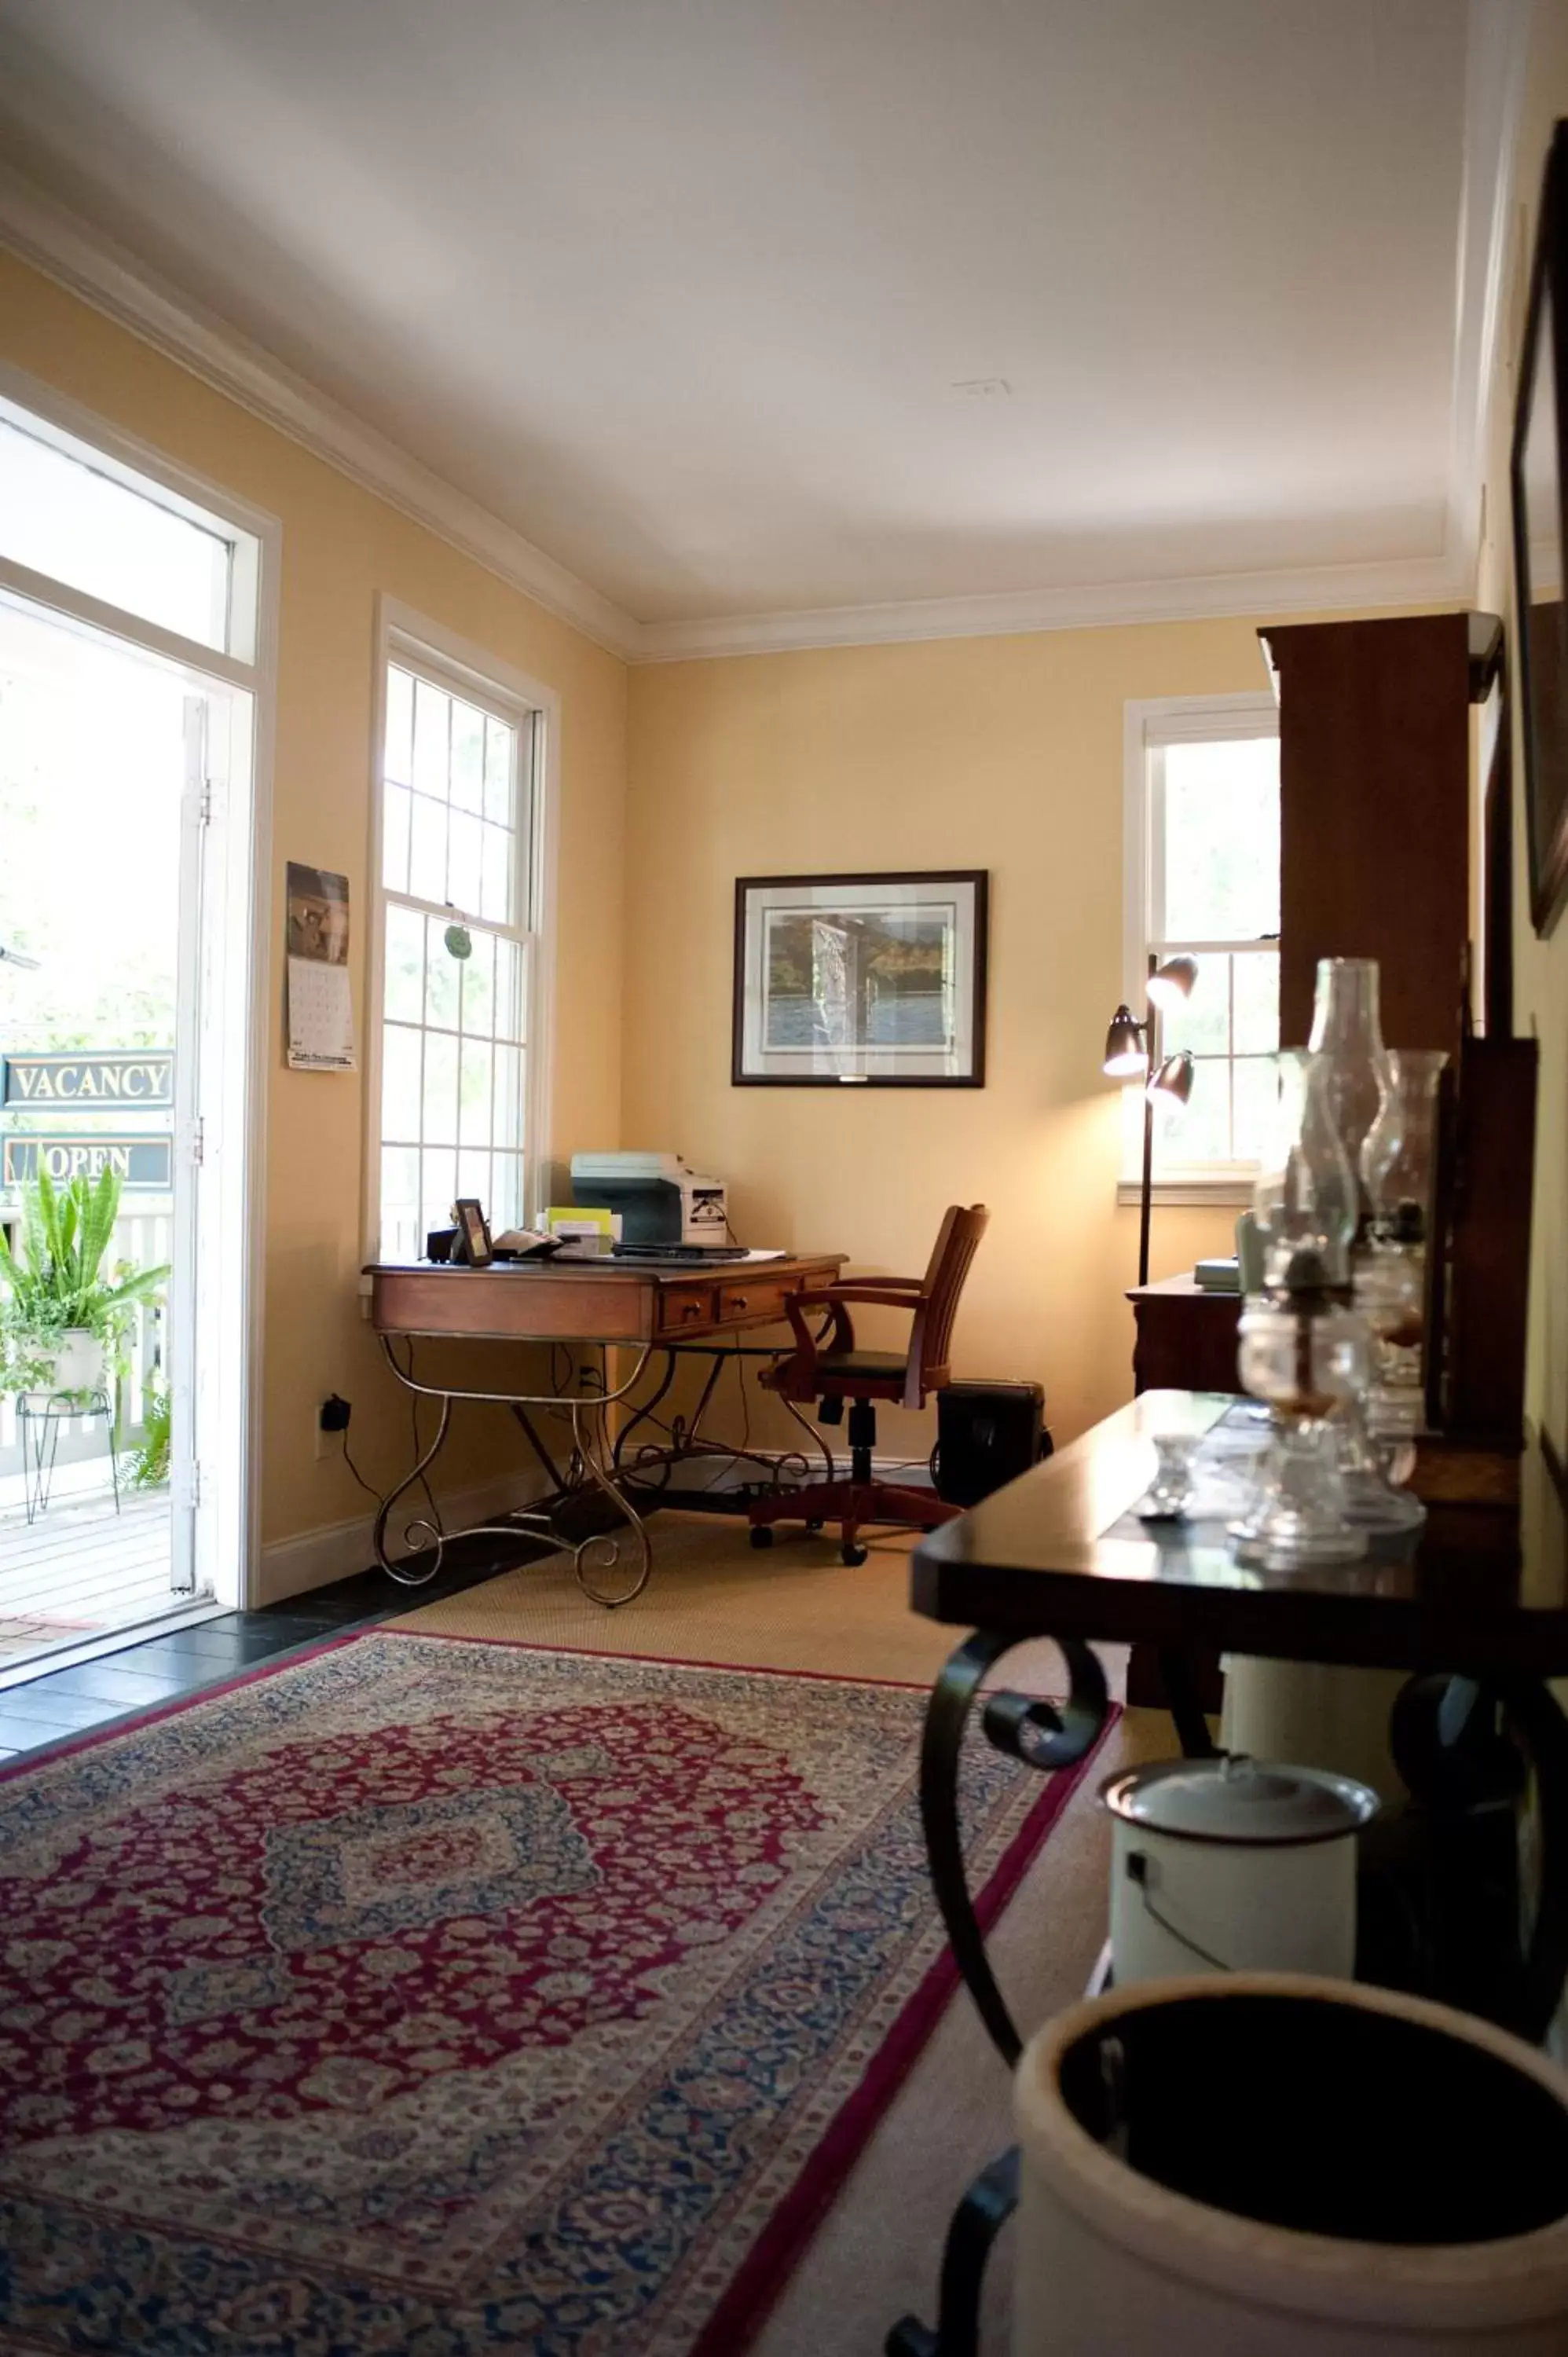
pixel 320 1004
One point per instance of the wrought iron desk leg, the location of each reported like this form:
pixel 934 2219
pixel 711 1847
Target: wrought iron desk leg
pixel 1032 1730
pixel 976 2223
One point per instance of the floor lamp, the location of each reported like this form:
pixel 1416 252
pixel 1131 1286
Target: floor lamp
pixel 1133 1052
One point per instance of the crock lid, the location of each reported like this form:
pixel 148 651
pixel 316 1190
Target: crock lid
pixel 1239 1799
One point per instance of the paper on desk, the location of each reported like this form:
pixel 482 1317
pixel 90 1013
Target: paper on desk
pixel 765 1255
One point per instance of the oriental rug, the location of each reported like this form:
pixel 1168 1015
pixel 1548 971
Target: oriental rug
pixel 445 1997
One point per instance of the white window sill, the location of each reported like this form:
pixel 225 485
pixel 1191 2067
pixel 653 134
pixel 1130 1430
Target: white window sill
pixel 1192 1190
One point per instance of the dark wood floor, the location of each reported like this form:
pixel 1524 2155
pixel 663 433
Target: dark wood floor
pixel 61 1703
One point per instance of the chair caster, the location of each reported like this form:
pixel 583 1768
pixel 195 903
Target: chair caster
pixel 851 1555
pixel 762 1534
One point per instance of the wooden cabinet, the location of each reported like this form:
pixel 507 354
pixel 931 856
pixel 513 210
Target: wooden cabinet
pixel 1186 1338
pixel 1375 810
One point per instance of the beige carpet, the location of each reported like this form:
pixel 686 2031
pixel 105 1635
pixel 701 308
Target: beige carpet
pixel 796 1607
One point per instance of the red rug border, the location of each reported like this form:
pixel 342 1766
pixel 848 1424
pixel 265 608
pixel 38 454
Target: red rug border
pixel 132 1722
pixel 753 2291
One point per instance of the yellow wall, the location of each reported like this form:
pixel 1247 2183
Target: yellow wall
pixel 1000 753
pixel 340 546
pixel 1541 968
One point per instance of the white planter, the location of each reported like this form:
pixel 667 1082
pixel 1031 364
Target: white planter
pixel 1171 2133
pixel 77 1361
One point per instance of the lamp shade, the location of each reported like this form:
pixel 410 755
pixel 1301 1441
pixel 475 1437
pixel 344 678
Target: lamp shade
pixel 1172 982
pixel 1175 1077
pixel 1124 1055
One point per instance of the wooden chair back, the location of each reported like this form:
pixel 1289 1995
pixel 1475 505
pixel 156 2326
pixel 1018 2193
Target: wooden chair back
pixel 930 1337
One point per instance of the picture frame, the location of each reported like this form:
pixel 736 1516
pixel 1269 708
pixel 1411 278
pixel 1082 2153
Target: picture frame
pixel 871 981
pixel 1538 476
pixel 473 1246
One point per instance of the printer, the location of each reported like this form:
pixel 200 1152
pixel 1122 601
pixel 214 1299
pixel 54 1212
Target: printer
pixel 659 1201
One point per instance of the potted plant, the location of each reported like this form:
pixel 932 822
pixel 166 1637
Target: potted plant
pixel 63 1321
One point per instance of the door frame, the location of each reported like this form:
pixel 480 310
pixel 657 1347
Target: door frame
pixel 232 1519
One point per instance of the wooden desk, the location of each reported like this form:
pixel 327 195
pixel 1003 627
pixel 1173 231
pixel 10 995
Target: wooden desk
pixel 645 1308
pixel 1186 1336
pixel 545 1301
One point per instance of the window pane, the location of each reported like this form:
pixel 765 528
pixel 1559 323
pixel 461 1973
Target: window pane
pixel 443 976
pixel 474 1107
pixel 509 991
pixel 1199 1131
pixel 431 712
pixel 506 1187
pixel 467 757
pixel 400 1236
pixel 401 1087
pixel 496 859
pixel 473 1179
pixel 437 1188
pixel 1257 1003
pixel 478 984
pixel 59 515
pixel 399 726
pixel 501 746
pixel 440 1088
pixel 395 817
pixel 1257 1094
pixel 427 854
pixel 404 985
pixel 508 1124
pixel 1221 849
pixel 462 868
pixel 1202 1022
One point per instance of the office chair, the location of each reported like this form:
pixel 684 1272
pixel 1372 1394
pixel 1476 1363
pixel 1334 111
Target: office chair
pixel 832 1371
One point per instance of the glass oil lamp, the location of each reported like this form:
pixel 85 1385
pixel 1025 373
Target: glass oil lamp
pixel 1398 1162
pixel 1303 1347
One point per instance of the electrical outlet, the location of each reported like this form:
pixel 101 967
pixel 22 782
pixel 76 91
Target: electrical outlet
pixel 331 1419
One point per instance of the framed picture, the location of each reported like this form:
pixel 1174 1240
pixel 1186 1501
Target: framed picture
pixel 473 1244
pixel 1539 476
pixel 870 981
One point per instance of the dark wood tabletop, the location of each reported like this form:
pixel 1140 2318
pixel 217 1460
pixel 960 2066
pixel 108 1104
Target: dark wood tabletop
pixel 1485 1588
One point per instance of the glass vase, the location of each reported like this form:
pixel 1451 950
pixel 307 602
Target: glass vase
pixel 1399 1164
pixel 1347 1039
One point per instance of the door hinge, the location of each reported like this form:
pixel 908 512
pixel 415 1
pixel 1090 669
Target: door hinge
pixel 193 1142
pixel 186 1485
pixel 197 805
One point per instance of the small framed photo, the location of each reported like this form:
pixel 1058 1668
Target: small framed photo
pixel 473 1232
pixel 870 981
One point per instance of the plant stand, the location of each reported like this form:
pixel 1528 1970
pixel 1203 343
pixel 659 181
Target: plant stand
pixel 39 1416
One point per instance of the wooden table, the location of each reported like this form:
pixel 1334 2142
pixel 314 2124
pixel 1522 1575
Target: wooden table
pixel 648 1307
pixel 1476 1609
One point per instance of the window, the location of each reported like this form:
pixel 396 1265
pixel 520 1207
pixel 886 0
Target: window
pixel 458 924
pixel 1203 811
pixel 77 515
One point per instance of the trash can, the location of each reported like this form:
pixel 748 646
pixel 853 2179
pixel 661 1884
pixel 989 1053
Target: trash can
pixel 1272 2165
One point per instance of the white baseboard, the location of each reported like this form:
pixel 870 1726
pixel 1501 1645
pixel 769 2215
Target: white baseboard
pixel 338 1550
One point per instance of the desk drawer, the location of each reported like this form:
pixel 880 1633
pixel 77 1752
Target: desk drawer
pixel 681 1306
pixel 757 1301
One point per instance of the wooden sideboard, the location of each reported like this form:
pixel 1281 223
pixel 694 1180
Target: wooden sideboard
pixel 1186 1336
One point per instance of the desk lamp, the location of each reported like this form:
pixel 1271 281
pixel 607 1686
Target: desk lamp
pixel 1133 1052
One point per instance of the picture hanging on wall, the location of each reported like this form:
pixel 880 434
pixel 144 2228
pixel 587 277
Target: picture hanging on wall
pixel 860 981
pixel 1538 479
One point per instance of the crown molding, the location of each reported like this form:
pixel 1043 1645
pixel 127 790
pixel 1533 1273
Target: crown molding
pixel 103 274
pixel 1411 581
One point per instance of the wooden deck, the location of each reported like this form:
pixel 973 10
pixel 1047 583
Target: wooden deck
pixel 79 1570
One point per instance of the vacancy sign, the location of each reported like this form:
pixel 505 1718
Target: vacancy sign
pixel 123 1080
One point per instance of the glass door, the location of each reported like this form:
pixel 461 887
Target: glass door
pixel 105 813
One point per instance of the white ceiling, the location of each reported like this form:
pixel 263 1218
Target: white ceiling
pixel 682 289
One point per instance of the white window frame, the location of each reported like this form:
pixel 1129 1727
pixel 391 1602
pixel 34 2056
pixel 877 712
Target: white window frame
pixel 404 636
pixel 1149 724
pixel 233 1149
